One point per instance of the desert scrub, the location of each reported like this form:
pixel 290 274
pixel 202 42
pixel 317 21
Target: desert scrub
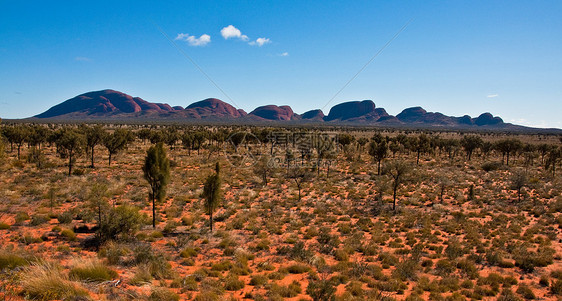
pixel 155 262
pixel 162 294
pixel 113 252
pixel 232 283
pixel 68 234
pixel 10 260
pixel 45 281
pixel 92 270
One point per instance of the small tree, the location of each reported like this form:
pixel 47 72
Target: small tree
pixel 94 136
pixel 299 175
pixel 518 181
pixel 157 172
pixel 443 182
pixel 97 200
pixel 398 171
pixel 16 135
pixel 264 168
pixel 470 143
pixel 70 144
pixel 117 141
pixel 508 147
pixel 212 193
pixel 379 151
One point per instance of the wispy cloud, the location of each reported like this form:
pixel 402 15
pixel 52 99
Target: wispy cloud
pixel 82 59
pixel 203 40
pixel 492 95
pixel 260 42
pixel 284 54
pixel 231 32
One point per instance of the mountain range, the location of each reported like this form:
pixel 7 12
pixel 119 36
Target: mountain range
pixel 115 105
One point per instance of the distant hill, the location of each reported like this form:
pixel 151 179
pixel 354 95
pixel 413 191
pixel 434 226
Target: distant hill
pixel 103 103
pixel 115 105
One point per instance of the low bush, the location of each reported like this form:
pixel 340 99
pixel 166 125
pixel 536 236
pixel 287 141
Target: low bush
pixel 92 270
pixel 162 294
pixel 45 281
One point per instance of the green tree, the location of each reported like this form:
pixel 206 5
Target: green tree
pixel 94 136
pixel 420 144
pixel 300 175
pixel 398 171
pixel 212 193
pixel 470 143
pixel 379 151
pixel 97 200
pixel 16 135
pixel 70 144
pixel 552 159
pixel 507 147
pixel 117 141
pixel 156 171
pixel 519 180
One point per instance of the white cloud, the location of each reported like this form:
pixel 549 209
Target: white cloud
pixel 82 59
pixel 260 42
pixel 492 96
pixel 203 40
pixel 284 54
pixel 232 32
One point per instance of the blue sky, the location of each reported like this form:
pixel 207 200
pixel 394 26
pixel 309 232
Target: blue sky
pixel 455 57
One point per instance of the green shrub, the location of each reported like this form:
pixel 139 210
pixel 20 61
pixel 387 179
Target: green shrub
pixel 21 217
pixel 4 226
pixel 142 275
pixel 9 260
pixel 156 264
pixel 258 280
pixel 321 290
pixel 298 269
pixel 188 252
pixel 232 283
pixel 92 270
pixel 526 292
pixel 68 234
pixel 65 217
pixel 44 281
pixel 407 270
pixel 39 219
pixel 163 294
pixel 122 221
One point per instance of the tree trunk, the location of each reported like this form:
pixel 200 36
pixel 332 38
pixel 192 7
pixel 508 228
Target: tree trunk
pixel 19 146
pixel 418 159
pixel 211 220
pixel 394 199
pixel 379 168
pixel 93 156
pixel 70 164
pixel 109 158
pixel 153 211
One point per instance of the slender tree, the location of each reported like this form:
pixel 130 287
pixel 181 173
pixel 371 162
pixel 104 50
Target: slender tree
pixel 70 143
pixel 507 147
pixel 156 171
pixel 379 151
pixel 398 171
pixel 470 143
pixel 97 200
pixel 299 175
pixel 212 193
pixel 94 136
pixel 117 141
pixel 518 181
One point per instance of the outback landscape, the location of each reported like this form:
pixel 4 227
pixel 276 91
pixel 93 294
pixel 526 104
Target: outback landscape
pixel 281 150
pixel 133 212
